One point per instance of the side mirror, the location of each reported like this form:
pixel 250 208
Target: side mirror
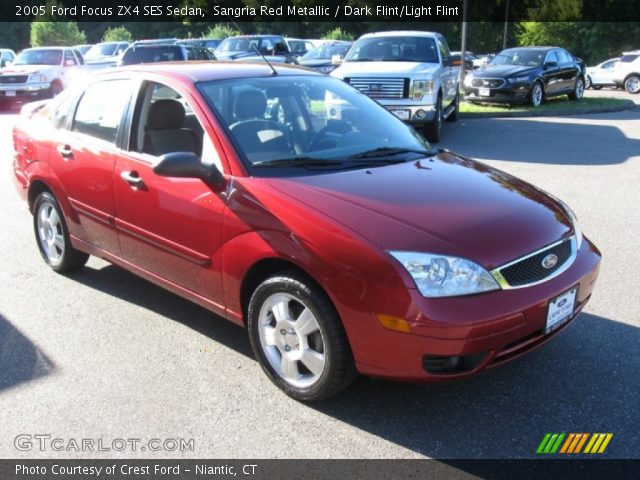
pixel 3 63
pixel 336 60
pixel 188 165
pixel 550 64
pixel 69 63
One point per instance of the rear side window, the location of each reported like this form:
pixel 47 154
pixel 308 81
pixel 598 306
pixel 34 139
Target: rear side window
pixel 152 54
pixel 629 58
pixel 101 109
pixel 564 56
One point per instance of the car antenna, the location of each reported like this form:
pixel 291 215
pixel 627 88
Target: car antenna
pixel 274 72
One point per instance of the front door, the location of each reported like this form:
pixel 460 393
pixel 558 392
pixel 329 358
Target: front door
pixel 170 227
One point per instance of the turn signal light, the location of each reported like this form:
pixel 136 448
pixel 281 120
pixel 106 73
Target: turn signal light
pixel 393 323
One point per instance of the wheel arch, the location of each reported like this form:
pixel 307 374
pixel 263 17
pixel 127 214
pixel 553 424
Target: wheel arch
pixel 36 187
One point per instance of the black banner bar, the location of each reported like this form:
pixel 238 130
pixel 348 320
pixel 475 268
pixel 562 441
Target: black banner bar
pixel 317 469
pixel 216 11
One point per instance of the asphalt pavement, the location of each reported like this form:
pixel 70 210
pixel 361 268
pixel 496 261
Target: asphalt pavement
pixel 101 354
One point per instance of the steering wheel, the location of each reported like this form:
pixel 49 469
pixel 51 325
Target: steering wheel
pixel 338 127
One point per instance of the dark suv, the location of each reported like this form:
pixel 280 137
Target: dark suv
pixel 164 53
pixel 243 46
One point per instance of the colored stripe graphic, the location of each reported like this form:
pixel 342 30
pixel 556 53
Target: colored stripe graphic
pixel 573 443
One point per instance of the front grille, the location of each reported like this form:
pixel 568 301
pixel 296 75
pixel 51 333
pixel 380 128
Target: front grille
pixel 381 87
pixel 13 79
pixel 487 82
pixel 530 269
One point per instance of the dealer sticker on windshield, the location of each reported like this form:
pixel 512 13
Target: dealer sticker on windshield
pixel 561 309
pixel 401 114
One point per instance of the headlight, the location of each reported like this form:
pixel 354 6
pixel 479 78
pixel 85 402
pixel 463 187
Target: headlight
pixel 327 69
pixel 444 276
pixel 468 79
pixel 574 222
pixel 36 78
pixel 422 87
pixel 522 79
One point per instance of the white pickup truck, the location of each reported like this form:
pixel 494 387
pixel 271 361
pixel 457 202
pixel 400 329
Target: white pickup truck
pixel 38 73
pixel 411 73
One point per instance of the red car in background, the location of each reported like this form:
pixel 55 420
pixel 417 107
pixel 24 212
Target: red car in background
pixel 345 246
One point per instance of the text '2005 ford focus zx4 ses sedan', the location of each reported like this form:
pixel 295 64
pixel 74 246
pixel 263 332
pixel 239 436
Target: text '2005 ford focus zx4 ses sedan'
pixel 345 246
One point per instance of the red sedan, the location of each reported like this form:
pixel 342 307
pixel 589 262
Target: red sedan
pixel 293 204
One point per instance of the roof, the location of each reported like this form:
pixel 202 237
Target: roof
pixel 533 48
pixel 401 33
pixel 48 48
pixel 213 70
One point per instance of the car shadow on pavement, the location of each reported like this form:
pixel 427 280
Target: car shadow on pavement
pixel 585 380
pixel 536 140
pixel 124 285
pixel 20 359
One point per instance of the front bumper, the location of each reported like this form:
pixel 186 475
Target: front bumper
pixel 25 91
pixel 416 114
pixel 485 330
pixel 508 93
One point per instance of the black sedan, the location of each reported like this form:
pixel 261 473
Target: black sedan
pixel 526 75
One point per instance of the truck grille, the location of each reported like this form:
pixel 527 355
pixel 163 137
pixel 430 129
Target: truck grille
pixel 13 79
pixel 487 82
pixel 530 269
pixel 381 87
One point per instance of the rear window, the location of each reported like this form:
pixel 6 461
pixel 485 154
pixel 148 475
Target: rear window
pixel 164 53
pixel 629 58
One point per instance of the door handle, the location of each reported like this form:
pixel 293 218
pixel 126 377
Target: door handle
pixel 65 151
pixel 132 178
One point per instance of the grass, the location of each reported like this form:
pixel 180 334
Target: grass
pixel 557 104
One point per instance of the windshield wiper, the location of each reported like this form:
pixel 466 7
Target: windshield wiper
pixel 297 162
pixel 390 151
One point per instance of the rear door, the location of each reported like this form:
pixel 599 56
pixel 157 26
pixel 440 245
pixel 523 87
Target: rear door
pixel 569 70
pixel 169 227
pixel 84 157
pixel 551 74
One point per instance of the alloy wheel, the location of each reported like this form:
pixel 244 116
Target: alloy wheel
pixel 292 340
pixel 632 85
pixel 50 232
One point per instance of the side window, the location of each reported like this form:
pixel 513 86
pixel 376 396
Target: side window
pixel 563 56
pixel 164 123
pixel 551 57
pixel 443 47
pixel 69 58
pixel 64 109
pixel 101 109
pixel 79 56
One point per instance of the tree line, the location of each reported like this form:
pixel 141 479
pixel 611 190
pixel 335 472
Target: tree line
pixel 592 41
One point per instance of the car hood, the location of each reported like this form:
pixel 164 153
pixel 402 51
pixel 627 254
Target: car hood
pixel 391 69
pixel 448 205
pixel 500 71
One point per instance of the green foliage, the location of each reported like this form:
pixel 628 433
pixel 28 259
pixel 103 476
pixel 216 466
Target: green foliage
pixel 221 31
pixel 337 34
pixel 117 34
pixel 56 34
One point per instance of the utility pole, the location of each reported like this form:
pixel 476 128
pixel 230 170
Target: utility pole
pixel 506 26
pixel 463 46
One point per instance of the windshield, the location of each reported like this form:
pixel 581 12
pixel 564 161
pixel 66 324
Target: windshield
pixel 394 49
pixel 39 57
pixel 326 52
pixel 236 44
pixel 314 120
pixel 520 57
pixel 101 50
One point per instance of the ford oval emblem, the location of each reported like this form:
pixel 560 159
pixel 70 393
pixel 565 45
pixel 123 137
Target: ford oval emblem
pixel 549 261
pixel 562 303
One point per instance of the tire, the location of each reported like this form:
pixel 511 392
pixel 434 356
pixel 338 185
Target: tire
pixel 632 84
pixel 55 89
pixel 52 236
pixel 433 130
pixel 536 95
pixel 578 90
pixel 453 116
pixel 587 82
pixel 311 361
